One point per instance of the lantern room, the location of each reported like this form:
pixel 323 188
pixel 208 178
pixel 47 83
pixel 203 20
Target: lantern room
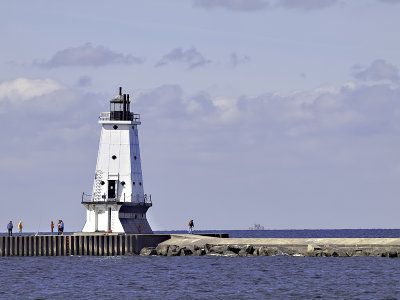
pixel 120 108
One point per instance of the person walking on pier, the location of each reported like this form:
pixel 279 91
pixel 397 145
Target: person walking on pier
pixel 52 227
pixel 10 227
pixel 20 228
pixel 62 227
pixel 59 227
pixel 191 225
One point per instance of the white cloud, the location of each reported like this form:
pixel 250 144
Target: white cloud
pixel 191 57
pixel 167 103
pixel 88 55
pixel 226 109
pixel 378 70
pixel 347 110
pixel 24 89
pixel 38 96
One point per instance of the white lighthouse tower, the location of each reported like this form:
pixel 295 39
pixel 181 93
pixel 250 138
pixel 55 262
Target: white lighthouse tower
pixel 118 202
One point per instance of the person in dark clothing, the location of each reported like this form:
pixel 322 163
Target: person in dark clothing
pixel 62 226
pixel 10 227
pixel 191 225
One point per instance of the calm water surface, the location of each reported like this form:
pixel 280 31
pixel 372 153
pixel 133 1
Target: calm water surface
pixel 199 277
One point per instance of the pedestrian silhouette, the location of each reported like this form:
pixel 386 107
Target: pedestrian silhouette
pixel 10 227
pixel 191 225
pixel 20 227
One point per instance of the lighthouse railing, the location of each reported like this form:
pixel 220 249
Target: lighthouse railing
pixel 141 199
pixel 86 197
pixel 145 199
pixel 106 116
pixel 135 117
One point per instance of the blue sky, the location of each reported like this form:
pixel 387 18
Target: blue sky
pixel 284 113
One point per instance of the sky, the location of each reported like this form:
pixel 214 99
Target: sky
pixel 284 113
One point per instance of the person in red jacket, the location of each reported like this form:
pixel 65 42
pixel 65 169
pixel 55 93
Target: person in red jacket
pixel 52 227
pixel 59 227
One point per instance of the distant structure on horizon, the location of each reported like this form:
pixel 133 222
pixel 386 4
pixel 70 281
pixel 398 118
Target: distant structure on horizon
pixel 257 227
pixel 118 202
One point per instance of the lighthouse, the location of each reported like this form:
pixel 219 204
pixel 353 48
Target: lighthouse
pixel 118 202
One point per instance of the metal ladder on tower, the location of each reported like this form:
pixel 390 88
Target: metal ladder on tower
pixel 97 189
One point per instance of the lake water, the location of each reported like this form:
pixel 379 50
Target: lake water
pixel 206 277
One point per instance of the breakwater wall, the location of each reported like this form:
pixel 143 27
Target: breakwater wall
pixel 193 244
pixel 183 245
pixel 66 245
pixel 81 244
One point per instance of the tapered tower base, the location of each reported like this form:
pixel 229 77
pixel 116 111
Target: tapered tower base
pixel 133 218
pixel 119 217
pixel 136 226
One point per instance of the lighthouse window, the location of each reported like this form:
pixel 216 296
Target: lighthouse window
pixel 113 157
pixel 115 126
pixel 133 127
pixel 135 157
pixel 122 182
pixel 140 183
pixel 133 183
pixel 102 182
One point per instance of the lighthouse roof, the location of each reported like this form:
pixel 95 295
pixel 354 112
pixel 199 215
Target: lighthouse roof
pixel 120 98
pixel 117 99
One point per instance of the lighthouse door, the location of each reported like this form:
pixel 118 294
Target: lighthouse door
pixel 111 189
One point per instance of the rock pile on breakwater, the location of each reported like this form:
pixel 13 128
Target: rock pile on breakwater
pixel 257 250
pixel 188 245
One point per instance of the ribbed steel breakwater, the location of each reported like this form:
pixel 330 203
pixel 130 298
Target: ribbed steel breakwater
pixel 82 244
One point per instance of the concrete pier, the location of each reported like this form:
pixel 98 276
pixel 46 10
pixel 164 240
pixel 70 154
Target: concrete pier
pixel 79 244
pixel 93 244
pixel 193 244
